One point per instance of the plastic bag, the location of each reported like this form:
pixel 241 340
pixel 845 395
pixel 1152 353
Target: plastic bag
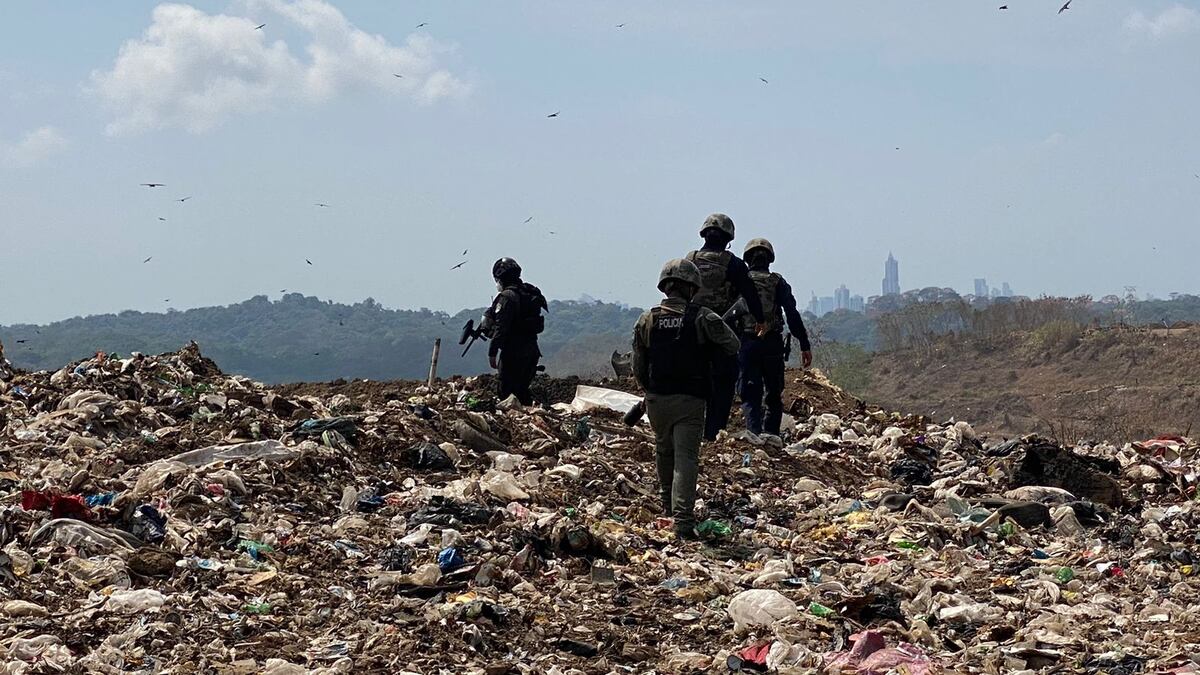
pixel 22 608
pixel 77 533
pixel 259 450
pixel 588 398
pixel 503 485
pixel 135 602
pixel 760 607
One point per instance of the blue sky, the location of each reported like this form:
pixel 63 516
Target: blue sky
pixel 1056 152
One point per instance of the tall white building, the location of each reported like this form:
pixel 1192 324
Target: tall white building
pixel 891 276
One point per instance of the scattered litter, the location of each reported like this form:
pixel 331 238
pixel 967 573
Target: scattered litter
pixel 162 515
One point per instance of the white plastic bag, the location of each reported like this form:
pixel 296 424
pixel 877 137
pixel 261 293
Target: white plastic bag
pixel 587 398
pixel 136 602
pixel 267 450
pixel 760 607
pixel 503 485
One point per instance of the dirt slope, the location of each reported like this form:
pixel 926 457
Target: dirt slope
pixel 1119 384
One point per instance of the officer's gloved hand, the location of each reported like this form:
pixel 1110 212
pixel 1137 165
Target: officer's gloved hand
pixel 760 329
pixel 806 359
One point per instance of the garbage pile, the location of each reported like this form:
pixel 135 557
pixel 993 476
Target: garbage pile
pixel 161 515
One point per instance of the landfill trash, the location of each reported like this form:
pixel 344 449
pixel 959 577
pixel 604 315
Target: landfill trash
pixel 429 456
pixel 589 398
pixel 148 524
pixel 760 607
pixel 135 601
pixel 713 529
pixel 450 559
pixel 302 527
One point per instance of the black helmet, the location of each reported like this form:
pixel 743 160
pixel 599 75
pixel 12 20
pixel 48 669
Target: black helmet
pixel 505 267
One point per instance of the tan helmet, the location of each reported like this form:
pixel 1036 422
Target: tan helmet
pixel 719 221
pixel 679 270
pixel 760 243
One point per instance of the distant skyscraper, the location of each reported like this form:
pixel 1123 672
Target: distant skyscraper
pixel 814 305
pixel 891 276
pixel 858 304
pixel 981 288
pixel 841 297
pixel 828 304
pixel 1006 290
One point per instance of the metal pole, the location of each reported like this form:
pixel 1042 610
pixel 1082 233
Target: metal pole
pixel 437 350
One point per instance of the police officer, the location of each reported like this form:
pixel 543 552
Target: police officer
pixel 674 346
pixel 516 320
pixel 724 278
pixel 761 358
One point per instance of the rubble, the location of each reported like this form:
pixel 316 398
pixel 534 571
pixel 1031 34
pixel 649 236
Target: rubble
pixel 160 515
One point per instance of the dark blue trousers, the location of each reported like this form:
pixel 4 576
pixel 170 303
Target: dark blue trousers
pixel 761 363
pixel 720 401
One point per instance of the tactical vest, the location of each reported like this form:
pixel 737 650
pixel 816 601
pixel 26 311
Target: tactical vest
pixel 767 284
pixel 716 293
pixel 679 364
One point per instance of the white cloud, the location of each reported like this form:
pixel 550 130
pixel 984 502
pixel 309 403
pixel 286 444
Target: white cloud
pixel 36 147
pixel 194 70
pixel 1175 20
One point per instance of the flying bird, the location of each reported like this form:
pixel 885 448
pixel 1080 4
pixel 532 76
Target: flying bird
pixel 162 219
pixel 308 261
pixel 1003 6
pixel 283 291
pixel 458 265
pixel 422 24
pixel 21 342
pixel 527 220
pixel 147 260
pixel 183 200
pixel 465 251
pixel 397 75
pixel 1065 7
pixel 167 300
pixel 322 205
pixel 763 80
pixel 152 185
pixel 553 114
pixel 260 26
pixel 620 25
pixel 553 232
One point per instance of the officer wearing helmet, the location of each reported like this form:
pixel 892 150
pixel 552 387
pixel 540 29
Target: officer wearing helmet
pixel 674 346
pixel 516 320
pixel 761 359
pixel 724 279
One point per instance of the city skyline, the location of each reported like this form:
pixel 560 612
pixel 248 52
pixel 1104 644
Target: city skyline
pixel 844 298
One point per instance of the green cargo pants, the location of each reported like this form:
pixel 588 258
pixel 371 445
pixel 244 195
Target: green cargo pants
pixel 678 422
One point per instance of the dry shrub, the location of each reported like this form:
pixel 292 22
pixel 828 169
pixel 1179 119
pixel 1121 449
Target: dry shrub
pixel 1056 337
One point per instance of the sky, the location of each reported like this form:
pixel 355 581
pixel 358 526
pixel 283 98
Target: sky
pixel 1057 152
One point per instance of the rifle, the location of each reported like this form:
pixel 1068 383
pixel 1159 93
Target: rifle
pixel 471 332
pixel 787 347
pixel 469 335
